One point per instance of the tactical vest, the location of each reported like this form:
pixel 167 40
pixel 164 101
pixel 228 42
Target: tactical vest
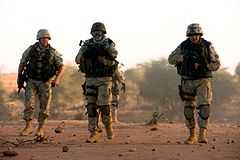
pixel 92 67
pixel 194 53
pixel 41 65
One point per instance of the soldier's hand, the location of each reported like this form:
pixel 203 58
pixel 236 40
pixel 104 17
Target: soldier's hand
pixel 213 66
pixel 196 65
pixel 105 61
pixel 181 58
pixel 55 83
pixel 102 60
pixel 20 82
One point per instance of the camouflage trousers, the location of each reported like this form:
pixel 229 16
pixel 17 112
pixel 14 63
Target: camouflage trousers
pixel 115 93
pixel 200 93
pixel 115 100
pixel 41 90
pixel 99 98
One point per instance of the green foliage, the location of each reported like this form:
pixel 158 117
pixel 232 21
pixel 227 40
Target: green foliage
pixel 225 86
pixel 157 83
pixel 151 87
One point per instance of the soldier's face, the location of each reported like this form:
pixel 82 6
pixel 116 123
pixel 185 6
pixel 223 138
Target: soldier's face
pixel 98 35
pixel 195 39
pixel 44 41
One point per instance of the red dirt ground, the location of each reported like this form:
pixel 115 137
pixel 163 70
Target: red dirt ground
pixel 131 142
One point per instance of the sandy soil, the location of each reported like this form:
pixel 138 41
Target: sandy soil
pixel 9 81
pixel 132 142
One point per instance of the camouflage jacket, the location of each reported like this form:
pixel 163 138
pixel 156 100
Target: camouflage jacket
pixel 41 63
pixel 186 55
pixel 97 59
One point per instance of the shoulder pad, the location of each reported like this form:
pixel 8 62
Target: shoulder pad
pixel 208 43
pixel 35 45
pixel 109 42
pixel 184 43
pixel 88 42
pixel 52 49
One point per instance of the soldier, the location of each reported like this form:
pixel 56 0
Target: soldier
pixel 42 67
pixel 195 59
pixel 96 58
pixel 118 84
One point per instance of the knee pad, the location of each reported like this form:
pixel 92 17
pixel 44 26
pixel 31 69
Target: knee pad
pixel 189 112
pixel 92 110
pixel 204 111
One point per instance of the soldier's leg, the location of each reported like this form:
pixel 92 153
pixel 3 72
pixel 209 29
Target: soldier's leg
pixel 92 117
pixel 92 110
pixel 189 115
pixel 188 93
pixel 106 119
pixel 45 95
pixel 190 121
pixel 114 108
pixel 104 101
pixel 30 102
pixel 203 115
pixel 204 98
pixel 203 120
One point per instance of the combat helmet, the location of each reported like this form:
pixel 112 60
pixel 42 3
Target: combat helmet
pixel 98 26
pixel 43 33
pixel 194 29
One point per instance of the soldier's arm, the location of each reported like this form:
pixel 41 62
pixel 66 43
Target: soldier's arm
pixel 24 58
pixel 60 67
pixel 111 49
pixel 122 81
pixel 79 58
pixel 214 64
pixel 176 56
pixel 21 66
pixel 59 74
pixel 112 54
pixel 120 77
pixel 23 61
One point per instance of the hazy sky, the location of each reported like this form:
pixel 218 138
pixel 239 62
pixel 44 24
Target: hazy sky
pixel 142 29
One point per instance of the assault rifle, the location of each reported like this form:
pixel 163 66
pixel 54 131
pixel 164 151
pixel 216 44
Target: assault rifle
pixel 97 48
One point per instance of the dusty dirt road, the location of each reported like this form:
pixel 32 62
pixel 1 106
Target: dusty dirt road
pixel 132 142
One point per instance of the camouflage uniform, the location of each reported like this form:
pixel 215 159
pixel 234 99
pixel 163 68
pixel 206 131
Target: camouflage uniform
pixel 118 80
pixel 98 79
pixel 38 88
pixel 196 85
pixel 40 65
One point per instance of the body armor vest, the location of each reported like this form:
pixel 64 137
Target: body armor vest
pixel 194 53
pixel 92 67
pixel 41 65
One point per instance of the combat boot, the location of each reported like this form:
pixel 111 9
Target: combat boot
pixel 94 137
pixel 202 136
pixel 192 137
pixel 40 130
pixel 28 129
pixel 109 132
